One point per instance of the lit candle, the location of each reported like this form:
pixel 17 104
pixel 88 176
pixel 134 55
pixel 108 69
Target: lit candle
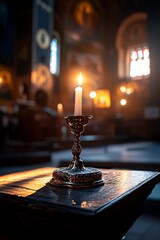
pixel 59 108
pixel 78 97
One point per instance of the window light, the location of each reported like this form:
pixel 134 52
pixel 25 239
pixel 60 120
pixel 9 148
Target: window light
pixel 139 62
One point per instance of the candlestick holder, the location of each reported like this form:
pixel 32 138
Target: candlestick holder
pixel 76 175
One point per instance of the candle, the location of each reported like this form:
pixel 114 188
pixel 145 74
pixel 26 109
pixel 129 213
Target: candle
pixel 78 97
pixel 59 108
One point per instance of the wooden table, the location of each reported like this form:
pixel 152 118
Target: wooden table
pixel 29 203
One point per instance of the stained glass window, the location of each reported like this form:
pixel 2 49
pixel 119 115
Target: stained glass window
pixel 139 62
pixel 54 56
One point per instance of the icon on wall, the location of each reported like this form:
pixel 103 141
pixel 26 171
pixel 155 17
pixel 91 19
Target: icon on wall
pixel 102 99
pixel 5 85
pixel 42 38
pixel 41 78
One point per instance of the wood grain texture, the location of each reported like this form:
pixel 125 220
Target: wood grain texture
pixel 27 199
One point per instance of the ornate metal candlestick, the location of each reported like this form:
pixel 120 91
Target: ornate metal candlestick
pixel 76 175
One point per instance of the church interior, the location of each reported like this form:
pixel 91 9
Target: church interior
pixel 89 67
pixel 45 45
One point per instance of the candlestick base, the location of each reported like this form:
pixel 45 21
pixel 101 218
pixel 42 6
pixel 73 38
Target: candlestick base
pixel 79 178
pixel 76 175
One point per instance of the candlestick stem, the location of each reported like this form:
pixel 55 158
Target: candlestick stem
pixel 76 129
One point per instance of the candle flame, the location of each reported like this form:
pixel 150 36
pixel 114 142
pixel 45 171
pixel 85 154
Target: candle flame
pixel 80 79
pixel 59 106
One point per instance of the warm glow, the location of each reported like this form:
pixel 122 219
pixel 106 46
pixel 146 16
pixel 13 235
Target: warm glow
pixel 80 78
pixel 123 102
pixel 92 94
pixel 126 89
pixel 123 89
pixel 129 91
pixel 60 108
pixel 102 99
pixel 35 179
pixel 41 77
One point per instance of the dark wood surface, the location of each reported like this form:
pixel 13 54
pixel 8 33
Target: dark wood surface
pixel 29 202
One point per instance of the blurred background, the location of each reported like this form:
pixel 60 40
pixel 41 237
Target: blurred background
pixel 115 45
pixel 45 44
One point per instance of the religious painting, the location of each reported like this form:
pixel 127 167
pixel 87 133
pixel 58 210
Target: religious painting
pixel 86 15
pixel 42 85
pixel 5 85
pixel 83 21
pixel 41 77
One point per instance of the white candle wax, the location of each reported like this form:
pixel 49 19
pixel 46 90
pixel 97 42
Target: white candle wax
pixel 78 101
pixel 78 98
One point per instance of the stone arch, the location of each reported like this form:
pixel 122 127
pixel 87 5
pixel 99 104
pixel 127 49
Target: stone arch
pixel 126 36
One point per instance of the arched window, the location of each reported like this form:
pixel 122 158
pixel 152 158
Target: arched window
pixel 55 55
pixel 133 52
